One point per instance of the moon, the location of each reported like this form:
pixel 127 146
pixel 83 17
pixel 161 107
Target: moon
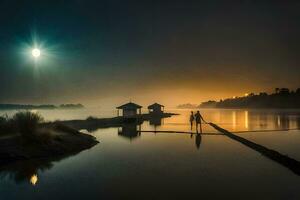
pixel 36 52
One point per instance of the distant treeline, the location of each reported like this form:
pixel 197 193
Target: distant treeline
pixel 282 98
pixel 48 106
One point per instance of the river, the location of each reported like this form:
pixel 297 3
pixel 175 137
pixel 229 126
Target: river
pixel 128 164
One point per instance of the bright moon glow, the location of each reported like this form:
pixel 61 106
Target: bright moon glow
pixel 34 179
pixel 36 53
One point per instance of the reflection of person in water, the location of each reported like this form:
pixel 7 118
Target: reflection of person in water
pixel 192 119
pixel 198 140
pixel 198 118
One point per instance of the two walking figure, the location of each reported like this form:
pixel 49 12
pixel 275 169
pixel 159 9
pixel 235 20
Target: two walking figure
pixel 198 119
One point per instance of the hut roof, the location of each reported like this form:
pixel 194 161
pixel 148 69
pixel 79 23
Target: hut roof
pixel 155 105
pixel 129 105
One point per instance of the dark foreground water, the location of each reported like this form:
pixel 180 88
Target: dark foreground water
pixel 167 165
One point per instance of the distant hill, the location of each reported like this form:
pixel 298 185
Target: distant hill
pixel 282 98
pixel 29 107
pixel 71 106
pixel 187 106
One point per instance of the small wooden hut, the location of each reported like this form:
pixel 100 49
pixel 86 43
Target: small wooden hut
pixel 129 110
pixel 156 108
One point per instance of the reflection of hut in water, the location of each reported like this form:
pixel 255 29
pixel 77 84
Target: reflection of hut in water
pixel 156 108
pixel 130 130
pixel 130 110
pixel 155 121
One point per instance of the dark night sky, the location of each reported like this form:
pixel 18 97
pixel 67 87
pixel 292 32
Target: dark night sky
pixel 107 52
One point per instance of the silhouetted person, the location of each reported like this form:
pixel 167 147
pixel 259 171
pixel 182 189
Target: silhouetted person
pixel 198 140
pixel 192 119
pixel 198 118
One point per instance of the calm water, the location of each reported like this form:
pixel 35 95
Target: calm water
pixel 167 165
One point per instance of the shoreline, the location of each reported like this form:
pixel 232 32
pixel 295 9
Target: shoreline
pixel 92 123
pixel 62 142
pixel 61 138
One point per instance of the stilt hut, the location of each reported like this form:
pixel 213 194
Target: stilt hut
pixel 129 110
pixel 156 108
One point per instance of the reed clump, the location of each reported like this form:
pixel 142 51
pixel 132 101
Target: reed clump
pixel 26 123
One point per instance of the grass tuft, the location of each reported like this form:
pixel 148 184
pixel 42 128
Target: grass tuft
pixel 26 123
